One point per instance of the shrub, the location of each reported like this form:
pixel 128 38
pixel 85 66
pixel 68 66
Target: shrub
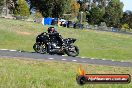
pixel 125 27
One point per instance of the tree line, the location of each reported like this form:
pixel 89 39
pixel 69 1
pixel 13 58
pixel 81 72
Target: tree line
pixel 94 11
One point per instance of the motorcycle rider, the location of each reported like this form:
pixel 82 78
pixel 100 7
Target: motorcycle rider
pixel 55 38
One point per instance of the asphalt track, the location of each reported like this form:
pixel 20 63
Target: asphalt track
pixel 15 53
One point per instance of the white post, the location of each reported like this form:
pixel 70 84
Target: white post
pixel 81 16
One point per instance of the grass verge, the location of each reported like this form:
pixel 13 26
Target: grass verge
pixel 27 73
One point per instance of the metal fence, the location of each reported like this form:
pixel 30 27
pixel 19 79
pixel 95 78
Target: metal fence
pixel 109 29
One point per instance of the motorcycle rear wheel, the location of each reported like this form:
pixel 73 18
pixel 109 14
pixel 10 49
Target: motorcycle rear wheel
pixel 72 51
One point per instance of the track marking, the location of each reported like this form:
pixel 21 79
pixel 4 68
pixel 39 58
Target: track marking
pixel 64 55
pixel 84 61
pixel 63 59
pixel 13 50
pixel 7 49
pixel 74 60
pixel 51 58
pixel 113 60
pixel 92 58
pixel 103 59
pixel 122 61
pixel 3 49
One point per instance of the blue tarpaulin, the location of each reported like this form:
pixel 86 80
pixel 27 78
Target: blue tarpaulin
pixel 47 21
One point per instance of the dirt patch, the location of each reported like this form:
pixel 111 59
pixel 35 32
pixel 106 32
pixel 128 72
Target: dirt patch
pixel 23 33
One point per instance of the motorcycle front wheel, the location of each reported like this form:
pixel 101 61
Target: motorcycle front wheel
pixel 72 51
pixel 40 48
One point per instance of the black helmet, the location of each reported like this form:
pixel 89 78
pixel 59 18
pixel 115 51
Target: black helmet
pixel 51 30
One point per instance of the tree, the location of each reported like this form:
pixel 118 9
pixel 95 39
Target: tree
pixel 1 5
pixel 59 7
pixel 1 2
pixel 74 8
pixel 95 15
pixel 51 8
pixel 84 5
pixel 127 18
pixel 22 9
pixel 11 4
pixel 113 13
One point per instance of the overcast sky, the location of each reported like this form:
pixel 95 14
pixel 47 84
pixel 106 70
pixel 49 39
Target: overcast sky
pixel 127 4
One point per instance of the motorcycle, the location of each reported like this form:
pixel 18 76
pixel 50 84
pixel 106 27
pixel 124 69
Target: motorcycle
pixel 43 40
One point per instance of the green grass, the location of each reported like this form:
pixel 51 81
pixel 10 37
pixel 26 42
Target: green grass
pixel 21 35
pixel 27 73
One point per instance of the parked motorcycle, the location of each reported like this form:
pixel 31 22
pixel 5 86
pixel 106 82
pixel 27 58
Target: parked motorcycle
pixel 42 41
